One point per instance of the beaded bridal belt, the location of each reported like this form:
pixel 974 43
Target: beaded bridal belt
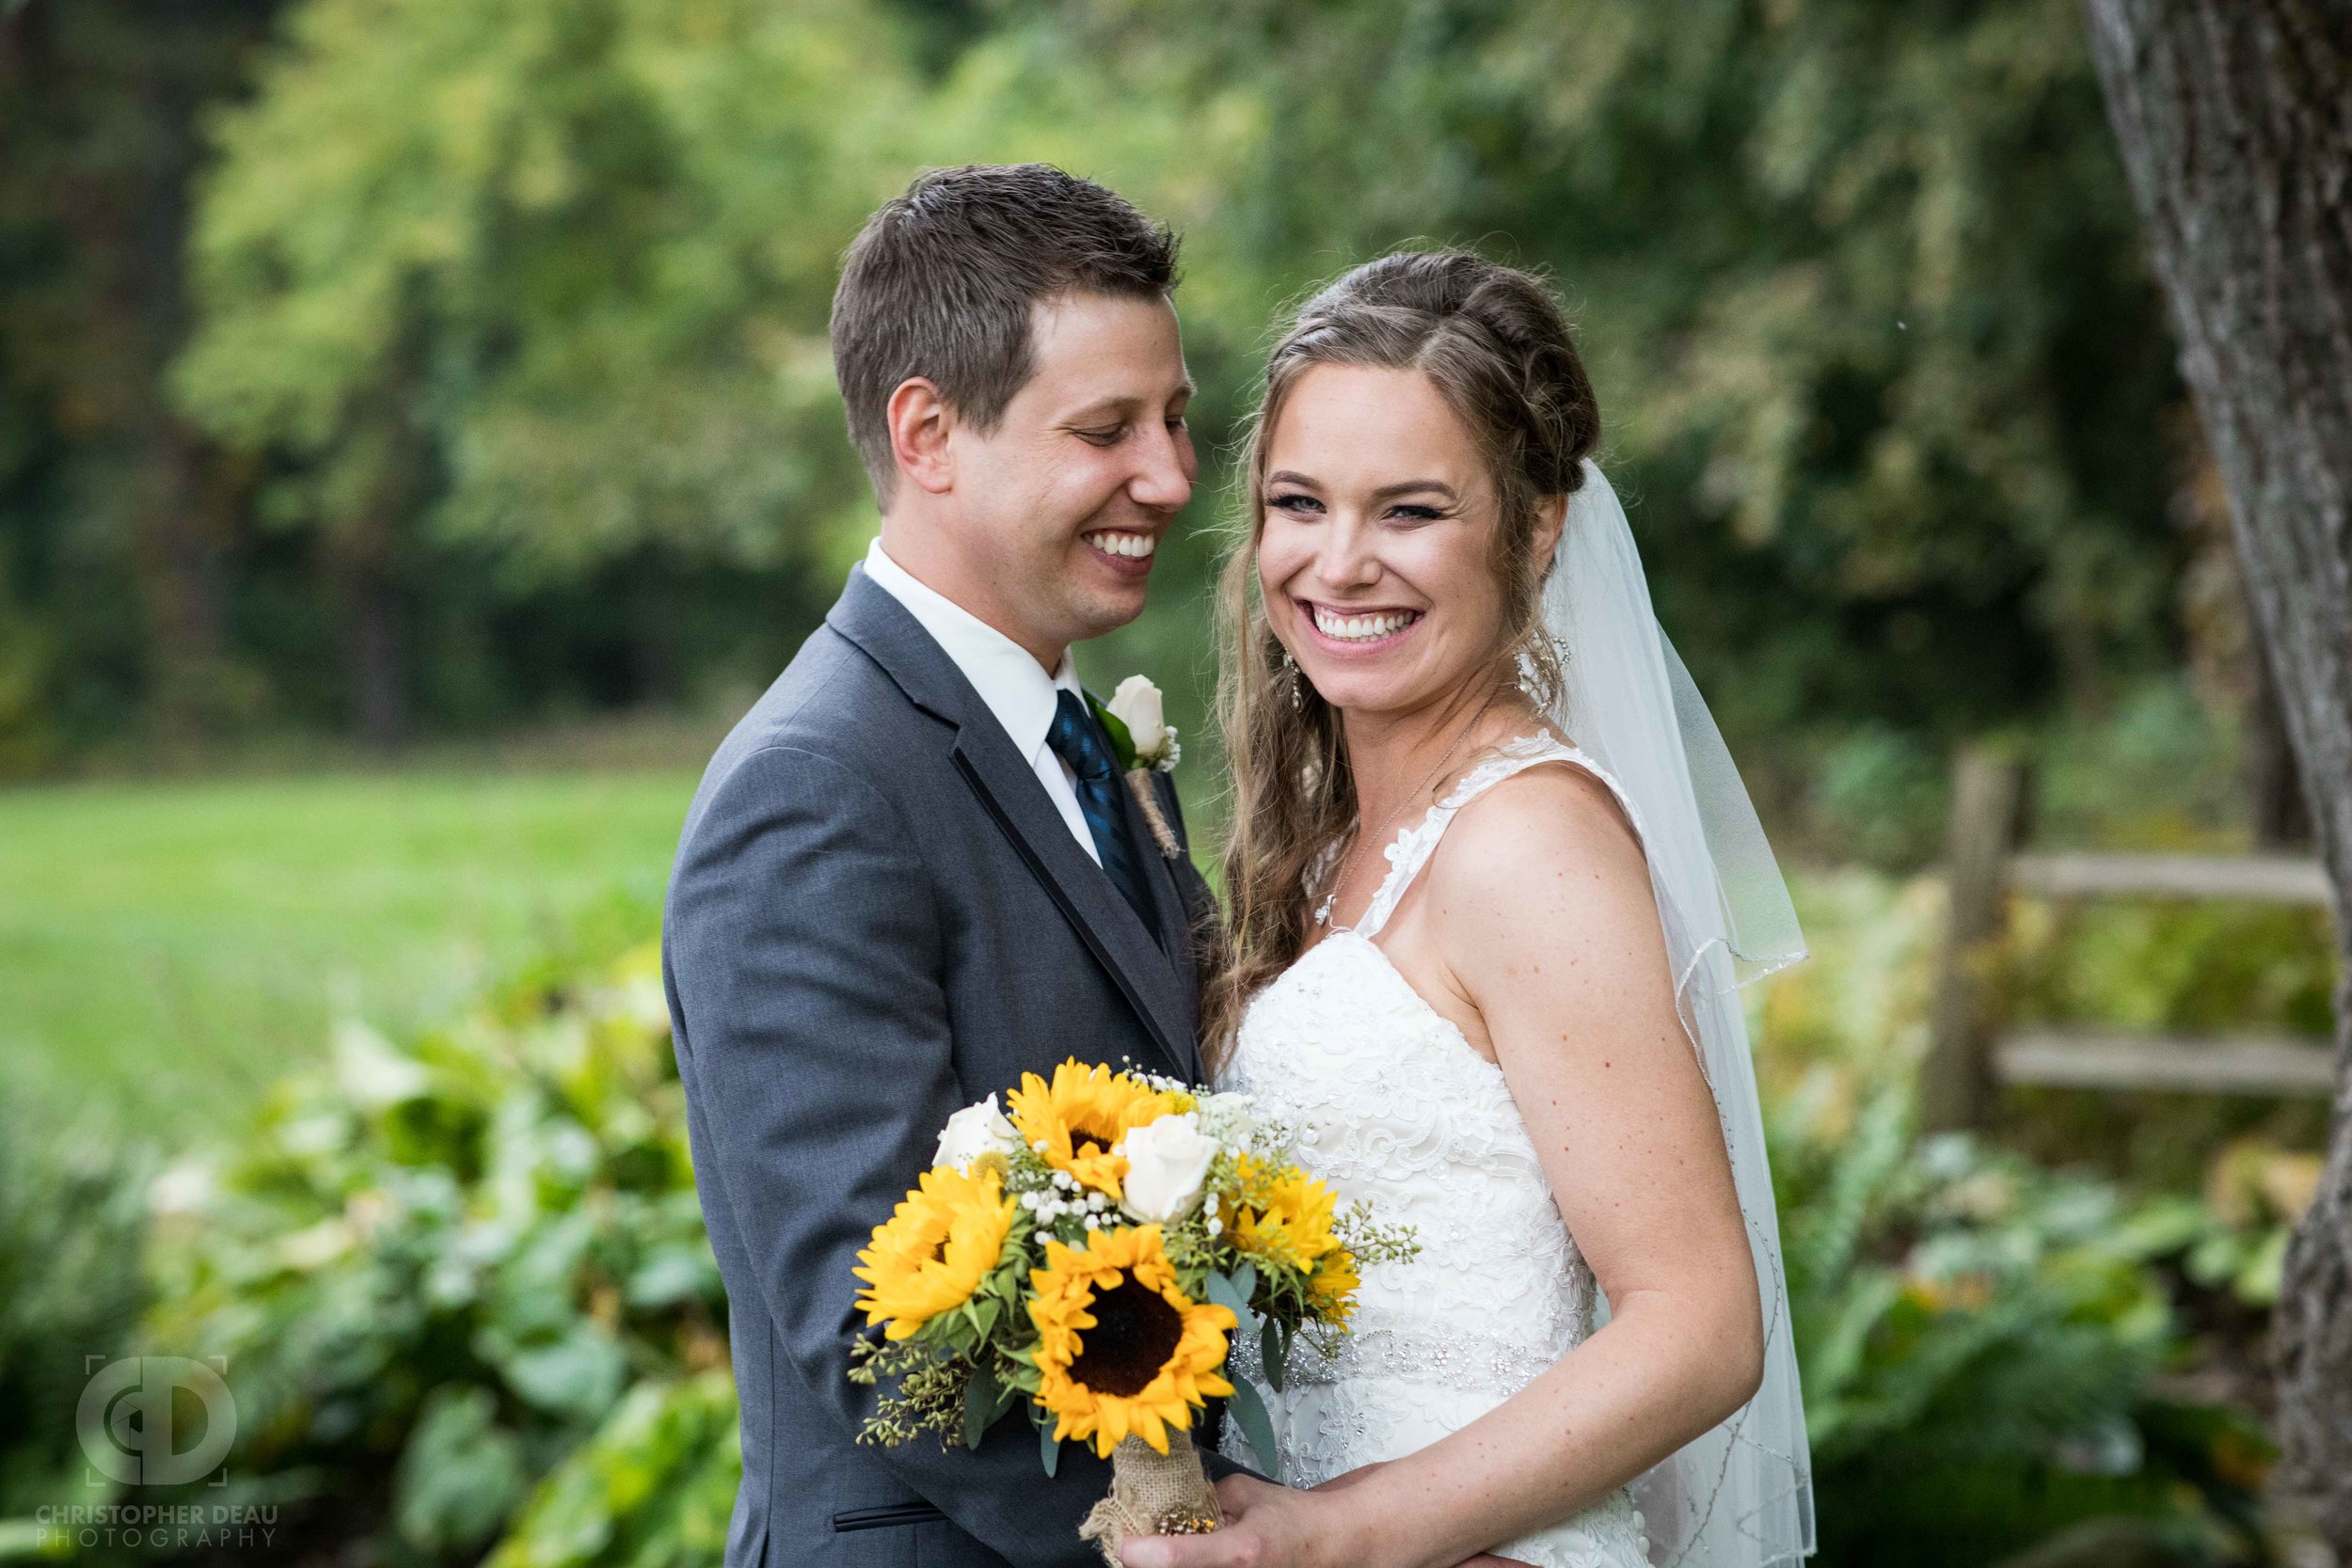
pixel 1456 1357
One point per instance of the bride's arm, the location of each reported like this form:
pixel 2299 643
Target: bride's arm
pixel 1539 904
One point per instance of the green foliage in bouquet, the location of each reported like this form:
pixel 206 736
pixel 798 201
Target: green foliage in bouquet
pixel 1091 1251
pixel 438 1268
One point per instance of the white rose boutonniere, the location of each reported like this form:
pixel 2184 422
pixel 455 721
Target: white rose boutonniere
pixel 1145 742
pixel 1151 738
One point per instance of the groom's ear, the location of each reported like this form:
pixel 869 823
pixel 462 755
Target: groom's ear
pixel 919 421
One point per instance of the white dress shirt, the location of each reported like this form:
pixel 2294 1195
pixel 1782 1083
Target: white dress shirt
pixel 1012 682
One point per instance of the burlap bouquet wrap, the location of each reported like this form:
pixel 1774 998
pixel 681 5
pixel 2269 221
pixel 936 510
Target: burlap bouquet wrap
pixel 1152 1494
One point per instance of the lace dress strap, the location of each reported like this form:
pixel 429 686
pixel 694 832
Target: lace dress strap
pixel 1415 845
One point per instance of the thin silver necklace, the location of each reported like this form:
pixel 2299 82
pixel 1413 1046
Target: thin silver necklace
pixel 1347 861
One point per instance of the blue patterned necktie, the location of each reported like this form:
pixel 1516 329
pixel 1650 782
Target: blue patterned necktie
pixel 1079 742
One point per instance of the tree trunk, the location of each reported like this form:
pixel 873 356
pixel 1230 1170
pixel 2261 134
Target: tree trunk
pixel 2281 820
pixel 366 583
pixel 2235 120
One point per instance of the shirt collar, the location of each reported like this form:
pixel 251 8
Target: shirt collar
pixel 1008 678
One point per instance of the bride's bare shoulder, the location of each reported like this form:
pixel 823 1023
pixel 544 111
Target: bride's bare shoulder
pixel 1549 839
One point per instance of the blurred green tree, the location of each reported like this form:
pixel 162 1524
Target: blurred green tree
pixel 117 516
pixel 1880 359
pixel 543 275
pixel 514 312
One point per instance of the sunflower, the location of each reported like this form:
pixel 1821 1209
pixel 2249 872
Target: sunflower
pixel 1122 1349
pixel 1284 1216
pixel 1331 1289
pixel 1082 1113
pixel 935 1249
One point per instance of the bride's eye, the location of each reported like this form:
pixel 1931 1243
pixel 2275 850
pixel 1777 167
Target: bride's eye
pixel 1414 513
pixel 1296 503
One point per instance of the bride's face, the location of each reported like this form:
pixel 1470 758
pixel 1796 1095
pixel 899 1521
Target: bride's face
pixel 1375 550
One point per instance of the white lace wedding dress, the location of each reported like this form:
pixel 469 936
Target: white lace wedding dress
pixel 1392 1105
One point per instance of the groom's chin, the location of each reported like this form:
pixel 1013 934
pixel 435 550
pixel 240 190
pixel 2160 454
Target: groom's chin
pixel 1102 599
pixel 1105 614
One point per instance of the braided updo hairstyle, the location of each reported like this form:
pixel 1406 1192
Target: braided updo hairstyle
pixel 1493 343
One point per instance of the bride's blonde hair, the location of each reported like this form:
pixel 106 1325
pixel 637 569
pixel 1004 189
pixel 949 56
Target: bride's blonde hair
pixel 1494 344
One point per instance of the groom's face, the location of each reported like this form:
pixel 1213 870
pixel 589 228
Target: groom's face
pixel 1065 501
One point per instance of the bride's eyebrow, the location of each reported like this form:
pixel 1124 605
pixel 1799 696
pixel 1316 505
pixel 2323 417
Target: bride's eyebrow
pixel 1285 476
pixel 1410 486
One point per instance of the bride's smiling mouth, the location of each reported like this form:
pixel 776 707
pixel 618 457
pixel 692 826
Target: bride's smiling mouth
pixel 1356 631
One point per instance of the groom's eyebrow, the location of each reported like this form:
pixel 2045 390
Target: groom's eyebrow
pixel 1125 404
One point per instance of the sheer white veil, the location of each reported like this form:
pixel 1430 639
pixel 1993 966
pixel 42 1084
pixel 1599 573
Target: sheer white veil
pixel 1741 1495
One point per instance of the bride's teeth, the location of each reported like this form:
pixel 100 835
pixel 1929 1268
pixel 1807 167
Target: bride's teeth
pixel 1361 629
pixel 1136 546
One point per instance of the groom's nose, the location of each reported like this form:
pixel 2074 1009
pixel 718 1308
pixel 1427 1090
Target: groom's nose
pixel 1163 476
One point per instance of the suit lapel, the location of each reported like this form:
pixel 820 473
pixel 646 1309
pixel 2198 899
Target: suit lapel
pixel 869 616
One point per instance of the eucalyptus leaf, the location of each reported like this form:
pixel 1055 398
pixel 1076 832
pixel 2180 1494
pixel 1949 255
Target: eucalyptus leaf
pixel 1274 1350
pixel 1049 1448
pixel 1256 1425
pixel 982 1404
pixel 1226 1293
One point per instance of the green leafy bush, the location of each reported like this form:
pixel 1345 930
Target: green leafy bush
pixel 1979 1339
pixel 469 1311
pixel 72 1216
pixel 439 1268
pixel 1984 1340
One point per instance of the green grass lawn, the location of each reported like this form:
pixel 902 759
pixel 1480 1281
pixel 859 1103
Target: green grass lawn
pixel 168 949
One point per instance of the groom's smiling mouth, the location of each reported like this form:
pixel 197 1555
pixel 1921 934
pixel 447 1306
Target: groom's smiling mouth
pixel 1358 628
pixel 1126 551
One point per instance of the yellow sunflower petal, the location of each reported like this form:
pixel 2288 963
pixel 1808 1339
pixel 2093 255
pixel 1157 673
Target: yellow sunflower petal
pixel 1082 1114
pixel 935 1249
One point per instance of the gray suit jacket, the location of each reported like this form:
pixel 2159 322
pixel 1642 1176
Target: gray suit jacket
pixel 876 917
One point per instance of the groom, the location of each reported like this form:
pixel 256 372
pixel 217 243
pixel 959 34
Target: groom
pixel 913 872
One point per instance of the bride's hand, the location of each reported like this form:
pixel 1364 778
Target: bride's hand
pixel 1265 1526
pixel 1268 1526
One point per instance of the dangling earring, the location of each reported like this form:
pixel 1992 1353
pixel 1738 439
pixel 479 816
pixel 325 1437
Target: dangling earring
pixel 1298 682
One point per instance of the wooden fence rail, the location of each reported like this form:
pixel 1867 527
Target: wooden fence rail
pixel 1969 1057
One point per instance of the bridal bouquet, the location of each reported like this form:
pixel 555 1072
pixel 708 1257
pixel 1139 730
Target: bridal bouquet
pixel 1088 1249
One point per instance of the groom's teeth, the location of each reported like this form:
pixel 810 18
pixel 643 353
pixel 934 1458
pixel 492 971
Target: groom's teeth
pixel 1364 628
pixel 1136 546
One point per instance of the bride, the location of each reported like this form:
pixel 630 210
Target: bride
pixel 1495 883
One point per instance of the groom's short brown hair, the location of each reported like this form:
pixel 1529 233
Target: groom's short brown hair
pixel 940 282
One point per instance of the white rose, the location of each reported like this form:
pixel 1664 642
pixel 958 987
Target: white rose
pixel 1167 1162
pixel 979 1129
pixel 1136 704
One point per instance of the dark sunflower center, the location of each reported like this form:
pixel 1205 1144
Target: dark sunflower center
pixel 1135 1332
pixel 1086 1140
